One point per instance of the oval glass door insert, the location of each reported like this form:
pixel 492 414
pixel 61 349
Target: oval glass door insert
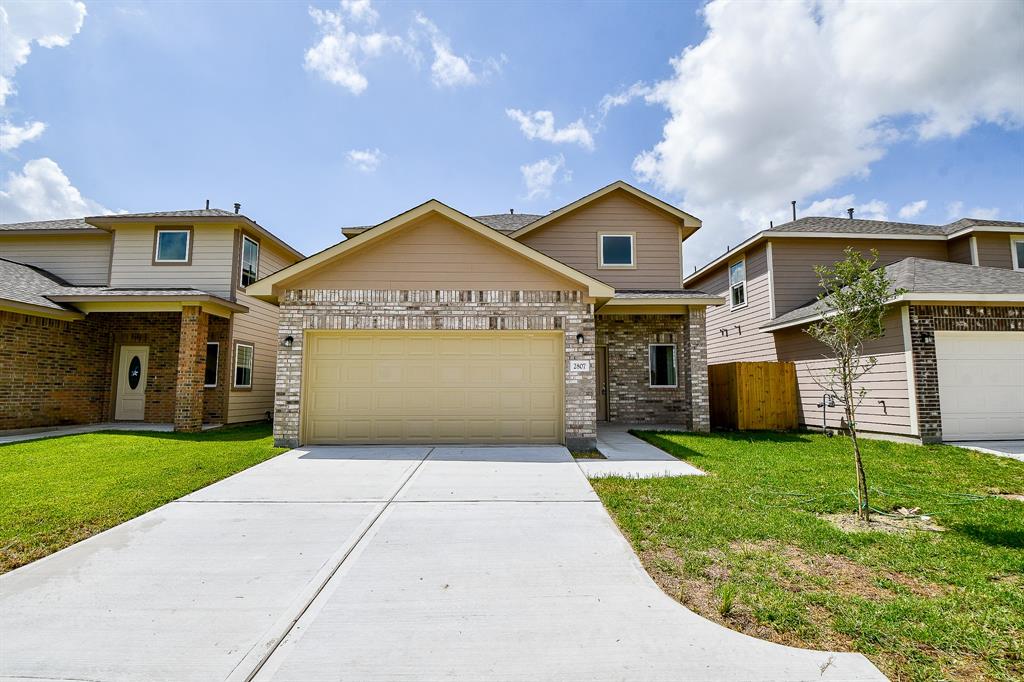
pixel 134 372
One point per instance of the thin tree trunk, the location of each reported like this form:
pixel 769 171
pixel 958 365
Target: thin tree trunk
pixel 863 509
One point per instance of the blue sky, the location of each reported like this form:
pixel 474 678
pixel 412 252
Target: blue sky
pixel 330 114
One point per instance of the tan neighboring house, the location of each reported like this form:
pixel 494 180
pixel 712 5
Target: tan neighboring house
pixel 438 327
pixel 951 363
pixel 137 318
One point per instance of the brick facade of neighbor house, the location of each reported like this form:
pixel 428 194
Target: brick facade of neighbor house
pixel 439 310
pixel 924 322
pixel 215 407
pixel 52 371
pixel 55 372
pixel 188 403
pixel 631 398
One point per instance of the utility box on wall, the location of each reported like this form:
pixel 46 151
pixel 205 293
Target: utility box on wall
pixel 753 395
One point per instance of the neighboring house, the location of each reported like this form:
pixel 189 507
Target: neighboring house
pixel 434 326
pixel 137 318
pixel 951 363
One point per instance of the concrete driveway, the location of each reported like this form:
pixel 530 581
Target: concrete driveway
pixel 376 564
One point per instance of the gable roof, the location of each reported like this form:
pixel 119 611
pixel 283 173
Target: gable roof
pixel 51 226
pixel 27 285
pixel 830 227
pixel 264 288
pixel 507 222
pixel 689 222
pixel 926 279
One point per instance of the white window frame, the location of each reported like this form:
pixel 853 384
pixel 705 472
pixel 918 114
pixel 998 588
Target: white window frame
pixel 728 274
pixel 188 245
pixel 216 374
pixel 241 260
pixel 1014 239
pixel 632 250
pixel 650 365
pixel 252 364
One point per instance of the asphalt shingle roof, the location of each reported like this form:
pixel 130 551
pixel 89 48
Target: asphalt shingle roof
pixel 814 224
pixel 192 213
pixel 924 276
pixel 67 224
pixel 507 222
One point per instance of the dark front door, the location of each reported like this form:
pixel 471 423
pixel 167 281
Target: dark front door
pixel 602 384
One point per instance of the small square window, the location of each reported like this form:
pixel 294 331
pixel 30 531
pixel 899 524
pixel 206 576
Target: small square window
pixel 250 261
pixel 663 365
pixel 243 365
pixel 172 246
pixel 738 284
pixel 616 250
pixel 212 359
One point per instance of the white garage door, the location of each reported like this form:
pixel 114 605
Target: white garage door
pixel 433 387
pixel 981 384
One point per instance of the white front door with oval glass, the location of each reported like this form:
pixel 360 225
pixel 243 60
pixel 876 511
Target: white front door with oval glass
pixel 132 365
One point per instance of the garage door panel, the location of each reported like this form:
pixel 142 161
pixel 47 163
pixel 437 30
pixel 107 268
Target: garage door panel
pixel 438 386
pixel 981 384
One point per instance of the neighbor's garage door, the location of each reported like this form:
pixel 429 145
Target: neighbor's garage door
pixel 981 384
pixel 433 387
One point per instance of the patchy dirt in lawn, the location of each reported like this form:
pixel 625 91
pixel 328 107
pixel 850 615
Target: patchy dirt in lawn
pixel 588 454
pixel 1009 496
pixel 850 523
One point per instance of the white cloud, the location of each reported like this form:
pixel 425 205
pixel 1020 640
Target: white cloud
pixel 836 207
pixel 47 24
pixel 540 176
pixel 340 53
pixel 623 97
pixel 41 191
pixel 955 210
pixel 983 213
pixel 12 136
pixel 540 125
pixel 784 100
pixel 365 160
pixel 913 209
pixel 450 70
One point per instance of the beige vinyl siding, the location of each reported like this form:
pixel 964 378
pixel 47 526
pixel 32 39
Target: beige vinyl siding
pixel 794 261
pixel 572 240
pixel 79 259
pixel 994 250
pixel 959 250
pixel 432 253
pixel 887 380
pixel 210 269
pixel 746 344
pixel 259 327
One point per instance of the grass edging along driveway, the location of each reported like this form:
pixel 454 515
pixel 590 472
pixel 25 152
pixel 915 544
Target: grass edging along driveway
pixel 746 546
pixel 57 491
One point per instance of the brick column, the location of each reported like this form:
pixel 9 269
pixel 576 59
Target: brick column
pixel 926 374
pixel 188 390
pixel 581 385
pixel 697 343
pixel 288 385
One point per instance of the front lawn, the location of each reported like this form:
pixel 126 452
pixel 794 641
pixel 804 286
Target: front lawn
pixel 57 491
pixel 746 546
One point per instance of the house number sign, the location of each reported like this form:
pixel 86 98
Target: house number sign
pixel 579 365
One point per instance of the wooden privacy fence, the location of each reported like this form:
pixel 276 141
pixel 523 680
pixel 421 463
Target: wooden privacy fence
pixel 753 395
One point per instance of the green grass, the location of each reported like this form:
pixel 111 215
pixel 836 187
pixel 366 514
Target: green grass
pixel 58 491
pixel 746 547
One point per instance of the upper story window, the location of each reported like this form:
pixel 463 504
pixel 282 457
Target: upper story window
pixel 173 245
pixel 250 261
pixel 738 284
pixel 1017 249
pixel 616 250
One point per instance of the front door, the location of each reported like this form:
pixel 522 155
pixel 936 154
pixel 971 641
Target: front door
pixel 602 384
pixel 132 366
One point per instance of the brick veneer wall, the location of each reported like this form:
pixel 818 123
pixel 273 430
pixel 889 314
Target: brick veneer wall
pixel 160 332
pixel 215 406
pixel 444 309
pixel 697 370
pixel 52 371
pixel 188 388
pixel 631 399
pixel 924 322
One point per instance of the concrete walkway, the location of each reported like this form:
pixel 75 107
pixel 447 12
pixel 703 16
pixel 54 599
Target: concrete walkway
pixel 54 431
pixel 376 564
pixel 631 457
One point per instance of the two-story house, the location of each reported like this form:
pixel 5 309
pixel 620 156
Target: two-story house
pixel 951 363
pixel 435 326
pixel 137 318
